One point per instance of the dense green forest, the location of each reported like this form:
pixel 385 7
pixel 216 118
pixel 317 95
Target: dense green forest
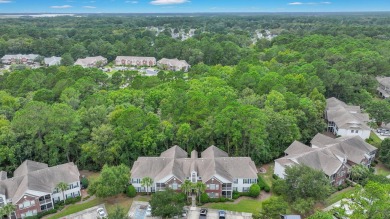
pixel 250 99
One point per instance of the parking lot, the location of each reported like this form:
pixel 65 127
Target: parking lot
pixel 213 214
pixel 90 213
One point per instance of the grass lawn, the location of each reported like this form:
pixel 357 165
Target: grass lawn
pixel 335 197
pixel 268 175
pixel 76 208
pixel 374 140
pixel 382 170
pixel 110 203
pixel 245 205
pixel 142 198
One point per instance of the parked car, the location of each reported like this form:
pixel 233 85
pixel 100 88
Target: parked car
pixel 203 213
pixel 382 130
pixel 148 211
pixel 222 214
pixel 385 133
pixel 101 213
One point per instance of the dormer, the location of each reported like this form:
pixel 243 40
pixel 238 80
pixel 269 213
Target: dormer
pixel 194 177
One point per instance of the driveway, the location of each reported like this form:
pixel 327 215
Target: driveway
pixel 90 213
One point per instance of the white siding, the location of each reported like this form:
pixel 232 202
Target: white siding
pixel 279 170
pixel 240 185
pixel 72 192
pixel 364 134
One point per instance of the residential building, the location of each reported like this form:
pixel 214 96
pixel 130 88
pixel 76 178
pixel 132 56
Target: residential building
pixel 91 62
pixel 346 120
pixel 32 189
pixel 334 157
pixel 384 86
pixel 52 61
pixel 135 61
pixel 19 59
pixel 221 174
pixel 173 65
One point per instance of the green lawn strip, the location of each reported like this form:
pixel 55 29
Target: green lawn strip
pixel 76 208
pixel 382 170
pixel 143 198
pixel 335 197
pixel 374 140
pixel 268 175
pixel 246 205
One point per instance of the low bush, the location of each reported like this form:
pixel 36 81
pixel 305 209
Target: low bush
pixel 42 214
pixel 131 192
pixel 263 185
pixel 86 197
pixel 274 176
pixel 254 190
pixel 70 201
pixel 204 198
pixel 84 183
pixel 236 195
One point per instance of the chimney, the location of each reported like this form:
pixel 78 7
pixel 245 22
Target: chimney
pixel 194 154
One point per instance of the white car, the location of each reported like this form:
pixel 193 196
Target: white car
pixel 101 213
pixel 148 211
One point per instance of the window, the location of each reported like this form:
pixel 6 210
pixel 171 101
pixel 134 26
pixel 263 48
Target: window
pixel 193 177
pixel 20 206
pixel 357 131
pixel 245 189
pixel 174 186
pixel 212 186
pixel 235 181
pixel 352 131
pixel 235 189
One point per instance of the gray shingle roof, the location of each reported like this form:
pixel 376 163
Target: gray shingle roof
pixel 330 155
pixel 52 61
pixel 174 62
pixel 385 81
pixel 345 116
pixel 37 179
pixel 213 162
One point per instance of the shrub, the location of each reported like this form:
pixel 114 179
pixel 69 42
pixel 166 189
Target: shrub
pixel 84 182
pixel 182 197
pixel 263 185
pixel 267 188
pixel 131 192
pixel 70 201
pixel 254 190
pixel 274 176
pixel 86 197
pixel 279 186
pixel 204 198
pixel 236 195
pixel 42 214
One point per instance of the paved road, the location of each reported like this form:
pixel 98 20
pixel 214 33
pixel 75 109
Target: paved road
pixel 90 213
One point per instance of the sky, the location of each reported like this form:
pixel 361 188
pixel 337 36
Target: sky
pixel 187 6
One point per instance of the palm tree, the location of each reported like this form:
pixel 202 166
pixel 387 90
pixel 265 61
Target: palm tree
pixel 200 188
pixel 186 187
pixel 7 210
pixel 62 186
pixel 146 182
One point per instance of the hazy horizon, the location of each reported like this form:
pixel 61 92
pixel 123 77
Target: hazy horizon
pixel 193 6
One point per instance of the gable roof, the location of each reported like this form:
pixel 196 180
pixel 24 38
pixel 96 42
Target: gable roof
pixel 175 161
pixel 330 155
pixel 174 62
pixel 174 152
pixel 38 179
pixel 346 116
pixel 213 151
pixel 52 60
pixel 385 81
pixel 29 166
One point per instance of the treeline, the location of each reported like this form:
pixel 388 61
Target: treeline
pixel 256 104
